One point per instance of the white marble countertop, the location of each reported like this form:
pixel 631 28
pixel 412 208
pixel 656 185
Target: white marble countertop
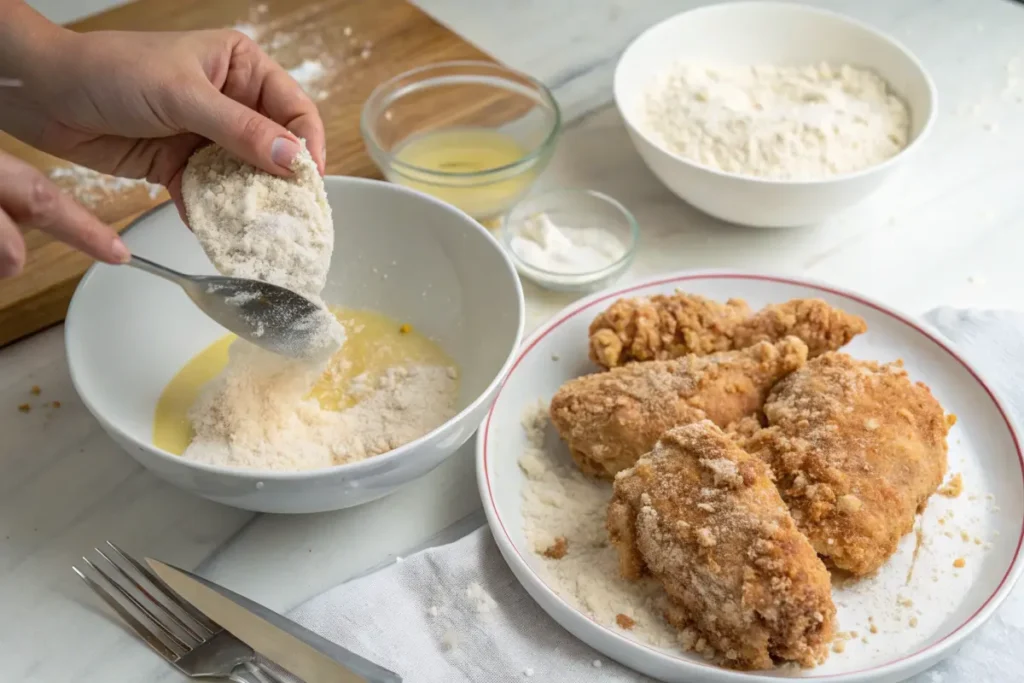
pixel 951 231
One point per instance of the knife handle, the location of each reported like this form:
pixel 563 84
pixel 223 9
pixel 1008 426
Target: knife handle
pixel 250 672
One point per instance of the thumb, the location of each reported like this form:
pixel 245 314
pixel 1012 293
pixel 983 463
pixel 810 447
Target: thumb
pixel 244 132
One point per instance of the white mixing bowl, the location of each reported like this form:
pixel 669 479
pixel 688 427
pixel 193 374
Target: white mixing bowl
pixel 767 33
pixel 397 251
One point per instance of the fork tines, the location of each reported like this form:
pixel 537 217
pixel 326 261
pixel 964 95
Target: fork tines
pixel 158 615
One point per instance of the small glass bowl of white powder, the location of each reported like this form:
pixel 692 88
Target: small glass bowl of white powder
pixel 570 240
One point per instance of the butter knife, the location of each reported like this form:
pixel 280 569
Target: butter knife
pixel 298 650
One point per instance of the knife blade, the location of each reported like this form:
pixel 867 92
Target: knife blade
pixel 301 652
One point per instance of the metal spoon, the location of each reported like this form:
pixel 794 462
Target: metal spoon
pixel 271 317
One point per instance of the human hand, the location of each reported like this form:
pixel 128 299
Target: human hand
pixel 27 197
pixel 138 104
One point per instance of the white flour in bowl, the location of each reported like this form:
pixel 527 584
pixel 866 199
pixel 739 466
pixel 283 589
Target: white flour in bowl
pixel 785 123
pixel 259 413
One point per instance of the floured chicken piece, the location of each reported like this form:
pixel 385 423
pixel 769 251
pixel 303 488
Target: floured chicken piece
pixel 857 448
pixel 610 419
pixel 255 225
pixel 664 327
pixel 703 517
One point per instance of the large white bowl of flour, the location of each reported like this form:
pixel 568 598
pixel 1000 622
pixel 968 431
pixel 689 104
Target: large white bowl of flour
pixel 730 106
pixel 397 251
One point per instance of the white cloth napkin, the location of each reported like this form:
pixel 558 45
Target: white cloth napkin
pixel 426 619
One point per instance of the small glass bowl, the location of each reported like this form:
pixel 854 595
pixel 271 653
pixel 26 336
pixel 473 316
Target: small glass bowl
pixel 471 104
pixel 574 209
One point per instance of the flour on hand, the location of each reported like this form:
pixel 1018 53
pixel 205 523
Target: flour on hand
pixel 786 123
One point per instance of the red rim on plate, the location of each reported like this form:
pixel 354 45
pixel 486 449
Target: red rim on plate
pixel 483 441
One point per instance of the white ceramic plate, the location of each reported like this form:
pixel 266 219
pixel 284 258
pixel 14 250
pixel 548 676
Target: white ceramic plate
pixel 944 604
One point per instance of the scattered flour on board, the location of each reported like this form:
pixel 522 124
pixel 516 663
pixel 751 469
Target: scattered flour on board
pixel 258 412
pixel 310 52
pixel 91 188
pixel 768 121
pixel 559 501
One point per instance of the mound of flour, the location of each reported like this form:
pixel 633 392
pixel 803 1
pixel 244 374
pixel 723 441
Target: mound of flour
pixel 783 122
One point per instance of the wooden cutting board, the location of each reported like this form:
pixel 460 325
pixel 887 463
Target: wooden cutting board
pixel 360 43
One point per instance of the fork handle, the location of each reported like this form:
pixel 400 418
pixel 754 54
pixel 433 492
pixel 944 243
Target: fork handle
pixel 250 672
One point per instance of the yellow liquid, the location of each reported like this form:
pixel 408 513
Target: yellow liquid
pixel 373 344
pixel 466 150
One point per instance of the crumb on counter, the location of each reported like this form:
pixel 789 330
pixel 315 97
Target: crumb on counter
pixel 913 622
pixel 954 487
pixel 36 390
pixel 597 664
pixel 626 623
pixel 24 408
pixel 405 328
pixel 558 549
pixel 959 563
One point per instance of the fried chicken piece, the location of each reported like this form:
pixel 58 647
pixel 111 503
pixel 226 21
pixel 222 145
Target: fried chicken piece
pixel 857 449
pixel 822 327
pixel 610 419
pixel 665 327
pixel 703 517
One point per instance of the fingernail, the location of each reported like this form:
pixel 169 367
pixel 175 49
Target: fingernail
pixel 119 251
pixel 283 152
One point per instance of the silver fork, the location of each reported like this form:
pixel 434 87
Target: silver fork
pixel 172 626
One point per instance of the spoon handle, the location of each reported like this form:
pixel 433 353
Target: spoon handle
pixel 156 269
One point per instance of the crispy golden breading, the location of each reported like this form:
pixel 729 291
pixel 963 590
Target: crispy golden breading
pixel 703 517
pixel 610 419
pixel 665 327
pixel 857 449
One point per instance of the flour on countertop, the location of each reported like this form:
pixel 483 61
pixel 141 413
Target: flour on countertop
pixel 542 243
pixel 91 188
pixel 791 123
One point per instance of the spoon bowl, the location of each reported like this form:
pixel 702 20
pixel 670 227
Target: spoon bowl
pixel 271 317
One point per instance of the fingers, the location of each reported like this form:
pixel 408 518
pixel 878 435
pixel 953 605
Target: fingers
pixel 257 81
pixel 246 133
pixel 30 199
pixel 12 247
pixel 284 101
